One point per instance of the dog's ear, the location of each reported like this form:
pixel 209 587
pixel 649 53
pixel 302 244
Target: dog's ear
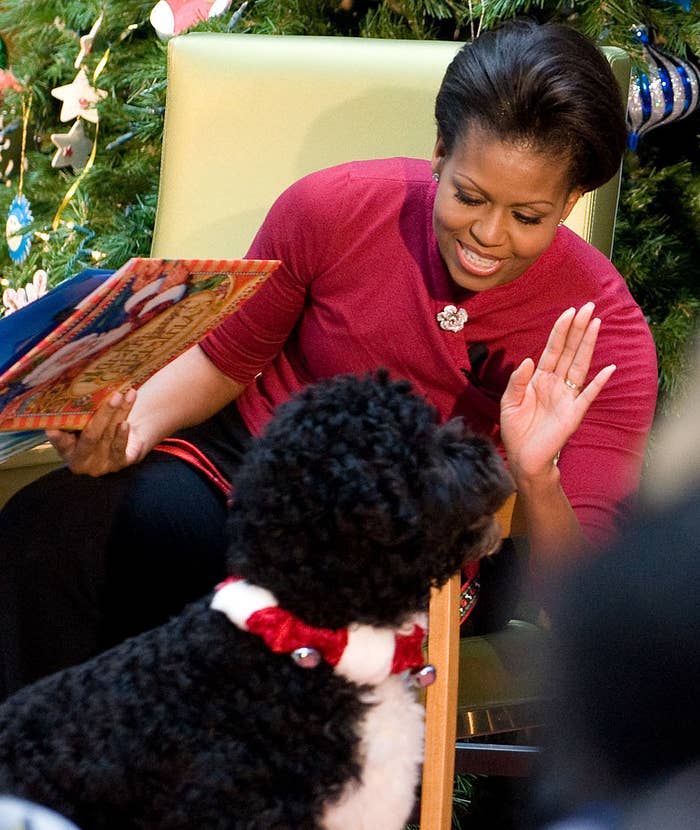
pixel 464 486
pixel 471 469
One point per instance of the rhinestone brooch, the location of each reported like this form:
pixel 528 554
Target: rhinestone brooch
pixel 452 318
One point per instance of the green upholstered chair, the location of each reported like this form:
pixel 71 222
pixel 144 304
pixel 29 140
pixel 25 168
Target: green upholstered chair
pixel 25 467
pixel 246 115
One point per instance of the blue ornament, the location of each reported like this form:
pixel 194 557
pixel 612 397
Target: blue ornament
pixel 668 91
pixel 684 4
pixel 19 216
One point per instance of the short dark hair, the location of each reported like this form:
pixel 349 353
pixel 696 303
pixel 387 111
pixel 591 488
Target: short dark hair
pixel 545 84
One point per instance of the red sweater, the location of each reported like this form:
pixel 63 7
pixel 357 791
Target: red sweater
pixel 361 284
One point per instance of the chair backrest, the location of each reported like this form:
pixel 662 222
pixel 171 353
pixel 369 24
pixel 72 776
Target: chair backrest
pixel 246 115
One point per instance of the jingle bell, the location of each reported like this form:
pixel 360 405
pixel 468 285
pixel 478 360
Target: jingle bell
pixel 307 658
pixel 424 677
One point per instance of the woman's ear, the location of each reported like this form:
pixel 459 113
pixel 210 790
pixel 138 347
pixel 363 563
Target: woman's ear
pixel 439 155
pixel 571 200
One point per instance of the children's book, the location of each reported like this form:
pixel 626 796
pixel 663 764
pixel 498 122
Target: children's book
pixel 104 331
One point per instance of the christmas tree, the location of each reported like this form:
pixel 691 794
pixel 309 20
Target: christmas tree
pixel 83 189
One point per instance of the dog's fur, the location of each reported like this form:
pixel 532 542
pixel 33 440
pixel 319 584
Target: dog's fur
pixel 348 509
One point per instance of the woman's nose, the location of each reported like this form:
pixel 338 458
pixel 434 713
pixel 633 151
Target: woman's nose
pixel 488 229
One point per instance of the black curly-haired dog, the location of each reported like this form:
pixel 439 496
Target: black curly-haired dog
pixel 348 509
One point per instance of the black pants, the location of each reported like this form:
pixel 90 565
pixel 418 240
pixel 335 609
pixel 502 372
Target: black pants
pixel 86 562
pixel 502 577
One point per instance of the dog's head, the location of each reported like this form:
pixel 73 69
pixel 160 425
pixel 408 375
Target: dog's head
pixel 355 501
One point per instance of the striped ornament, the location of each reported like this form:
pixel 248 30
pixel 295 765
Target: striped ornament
pixel 668 91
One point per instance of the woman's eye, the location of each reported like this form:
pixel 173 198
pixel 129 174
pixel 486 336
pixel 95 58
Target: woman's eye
pixel 527 220
pixel 467 200
pixel 473 201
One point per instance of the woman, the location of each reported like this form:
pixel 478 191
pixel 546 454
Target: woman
pixel 453 273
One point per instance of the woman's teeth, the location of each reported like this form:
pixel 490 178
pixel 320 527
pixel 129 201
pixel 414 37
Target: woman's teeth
pixel 479 264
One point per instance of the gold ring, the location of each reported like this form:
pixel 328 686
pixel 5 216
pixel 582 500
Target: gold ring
pixel 572 385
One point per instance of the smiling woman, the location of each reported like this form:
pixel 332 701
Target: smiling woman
pixel 467 286
pixel 497 207
pixel 519 142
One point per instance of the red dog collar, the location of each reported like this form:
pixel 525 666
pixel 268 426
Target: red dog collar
pixel 363 654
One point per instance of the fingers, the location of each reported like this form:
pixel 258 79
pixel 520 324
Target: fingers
pixel 101 446
pixel 517 383
pixel 64 442
pixel 571 343
pixel 590 392
pixel 105 422
pixel 577 369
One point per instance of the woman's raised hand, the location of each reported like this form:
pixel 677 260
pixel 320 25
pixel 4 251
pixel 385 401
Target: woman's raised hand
pixel 107 443
pixel 544 405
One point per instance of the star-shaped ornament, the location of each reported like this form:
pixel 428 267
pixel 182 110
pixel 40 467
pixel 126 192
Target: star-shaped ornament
pixel 74 148
pixel 87 40
pixel 79 98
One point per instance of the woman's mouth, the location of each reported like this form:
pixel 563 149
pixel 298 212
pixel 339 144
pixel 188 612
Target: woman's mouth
pixel 478 264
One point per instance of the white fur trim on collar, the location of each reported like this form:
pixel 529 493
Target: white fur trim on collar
pixel 239 600
pixel 368 655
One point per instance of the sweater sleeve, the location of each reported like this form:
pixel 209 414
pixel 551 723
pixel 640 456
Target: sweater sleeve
pixel 250 339
pixel 601 463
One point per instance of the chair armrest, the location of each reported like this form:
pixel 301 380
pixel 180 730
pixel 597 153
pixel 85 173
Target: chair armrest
pixel 26 466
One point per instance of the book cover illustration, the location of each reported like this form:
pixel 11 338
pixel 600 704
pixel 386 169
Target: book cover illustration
pixel 24 328
pixel 133 323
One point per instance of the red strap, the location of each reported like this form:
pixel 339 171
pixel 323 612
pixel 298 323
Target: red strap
pixel 192 455
pixel 469 593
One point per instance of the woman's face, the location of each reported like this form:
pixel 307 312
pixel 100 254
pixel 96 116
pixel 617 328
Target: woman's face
pixel 497 207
